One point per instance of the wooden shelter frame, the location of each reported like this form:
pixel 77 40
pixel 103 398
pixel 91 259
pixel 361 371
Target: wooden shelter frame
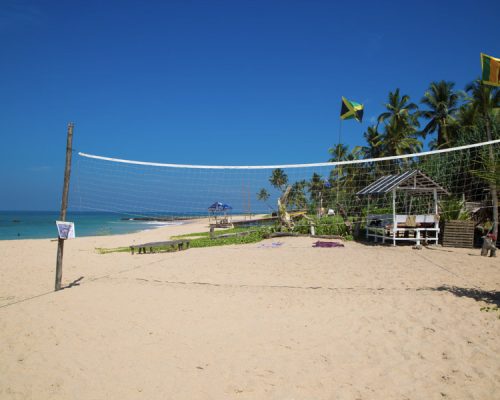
pixel 403 227
pixel 220 218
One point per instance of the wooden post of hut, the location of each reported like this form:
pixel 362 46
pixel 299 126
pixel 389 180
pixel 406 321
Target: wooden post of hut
pixel 394 218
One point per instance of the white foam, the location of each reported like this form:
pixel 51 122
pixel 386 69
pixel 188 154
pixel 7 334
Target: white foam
pixel 162 223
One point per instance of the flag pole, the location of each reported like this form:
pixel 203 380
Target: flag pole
pixel 338 158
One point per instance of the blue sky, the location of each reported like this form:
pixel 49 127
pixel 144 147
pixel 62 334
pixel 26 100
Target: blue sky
pixel 213 82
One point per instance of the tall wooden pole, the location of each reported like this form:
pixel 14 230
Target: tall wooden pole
pixel 338 158
pixel 394 218
pixel 493 186
pixel 249 202
pixel 64 204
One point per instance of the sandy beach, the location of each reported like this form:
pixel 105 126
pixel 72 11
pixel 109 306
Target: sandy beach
pixel 254 321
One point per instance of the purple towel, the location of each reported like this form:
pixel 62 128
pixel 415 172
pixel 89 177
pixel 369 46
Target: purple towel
pixel 327 244
pixel 273 244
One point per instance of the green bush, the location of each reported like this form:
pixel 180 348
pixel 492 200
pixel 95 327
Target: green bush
pixel 253 237
pixel 326 225
pixel 453 209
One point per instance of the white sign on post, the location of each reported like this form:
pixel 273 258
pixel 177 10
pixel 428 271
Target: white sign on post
pixel 66 229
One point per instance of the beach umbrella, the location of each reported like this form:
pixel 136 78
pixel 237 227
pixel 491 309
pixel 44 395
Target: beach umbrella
pixel 217 206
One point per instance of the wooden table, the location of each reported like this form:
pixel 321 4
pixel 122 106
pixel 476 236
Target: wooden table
pixel 160 246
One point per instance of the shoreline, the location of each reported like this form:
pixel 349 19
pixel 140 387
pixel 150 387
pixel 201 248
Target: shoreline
pixel 112 235
pixel 148 223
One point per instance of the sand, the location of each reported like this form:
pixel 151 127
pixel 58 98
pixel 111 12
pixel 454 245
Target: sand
pixel 251 321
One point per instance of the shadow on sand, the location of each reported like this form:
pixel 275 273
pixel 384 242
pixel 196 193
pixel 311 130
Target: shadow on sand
pixel 490 297
pixel 76 282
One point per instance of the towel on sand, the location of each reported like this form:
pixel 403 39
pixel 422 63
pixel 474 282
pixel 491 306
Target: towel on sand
pixel 273 244
pixel 327 244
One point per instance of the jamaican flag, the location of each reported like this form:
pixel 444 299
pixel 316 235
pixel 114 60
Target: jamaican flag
pixel 350 110
pixel 491 70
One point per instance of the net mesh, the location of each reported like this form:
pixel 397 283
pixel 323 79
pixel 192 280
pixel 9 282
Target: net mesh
pixel 141 189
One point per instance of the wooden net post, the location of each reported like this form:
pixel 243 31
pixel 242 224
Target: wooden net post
pixel 64 205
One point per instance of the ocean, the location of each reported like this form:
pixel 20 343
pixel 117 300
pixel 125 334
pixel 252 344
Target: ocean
pixel 41 224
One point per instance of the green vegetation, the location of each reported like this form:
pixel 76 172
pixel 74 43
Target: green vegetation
pixel 263 195
pixel 449 117
pixel 202 239
pixel 253 237
pixel 454 118
pixel 493 309
pixel 279 179
pixel 442 102
pixel 400 124
pixel 327 225
pixel 103 250
pixel 324 226
pixel 453 209
pixel 207 234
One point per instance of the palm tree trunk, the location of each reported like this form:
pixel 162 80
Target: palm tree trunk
pixel 445 134
pixel 440 137
pixel 494 200
pixel 493 186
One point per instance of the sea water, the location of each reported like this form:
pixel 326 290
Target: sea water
pixel 41 224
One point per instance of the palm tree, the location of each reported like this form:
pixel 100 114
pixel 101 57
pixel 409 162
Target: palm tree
pixel 400 111
pixel 467 116
pixel 343 175
pixel 263 195
pixel 443 103
pixel 373 149
pixel 465 129
pixel 279 179
pixel 339 153
pixel 400 121
pixel 297 197
pixel 374 140
pixel 355 174
pixel 315 187
pixel 486 100
pixel 398 140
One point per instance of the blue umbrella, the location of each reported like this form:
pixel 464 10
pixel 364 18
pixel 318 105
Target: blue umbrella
pixel 218 206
